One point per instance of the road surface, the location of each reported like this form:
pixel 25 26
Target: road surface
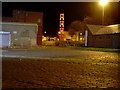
pixel 60 68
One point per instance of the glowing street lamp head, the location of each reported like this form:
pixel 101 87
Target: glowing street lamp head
pixel 103 2
pixel 45 32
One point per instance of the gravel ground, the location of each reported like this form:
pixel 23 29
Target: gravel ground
pixel 67 72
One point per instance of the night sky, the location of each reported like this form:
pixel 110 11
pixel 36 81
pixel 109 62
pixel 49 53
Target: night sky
pixel 72 10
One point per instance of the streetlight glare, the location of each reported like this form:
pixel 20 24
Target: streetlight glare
pixel 45 32
pixel 59 32
pixel 103 2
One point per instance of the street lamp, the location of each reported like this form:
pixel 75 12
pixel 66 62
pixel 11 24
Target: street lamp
pixel 59 32
pixel 103 3
pixel 45 33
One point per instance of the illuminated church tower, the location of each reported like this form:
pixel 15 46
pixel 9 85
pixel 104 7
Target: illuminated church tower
pixel 61 27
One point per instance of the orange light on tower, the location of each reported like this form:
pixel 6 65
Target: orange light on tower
pixel 61 27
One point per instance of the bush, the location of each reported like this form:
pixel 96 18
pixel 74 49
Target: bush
pixel 60 43
pixel 75 43
pixel 48 43
pixel 43 43
pixel 68 43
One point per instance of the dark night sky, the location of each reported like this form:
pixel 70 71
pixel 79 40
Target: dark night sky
pixel 73 11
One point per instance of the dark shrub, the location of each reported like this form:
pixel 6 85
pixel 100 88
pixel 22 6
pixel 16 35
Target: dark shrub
pixel 60 43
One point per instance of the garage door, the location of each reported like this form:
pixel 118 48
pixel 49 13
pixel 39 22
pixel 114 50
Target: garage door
pixel 4 39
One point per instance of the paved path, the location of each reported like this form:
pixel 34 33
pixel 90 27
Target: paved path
pixel 61 67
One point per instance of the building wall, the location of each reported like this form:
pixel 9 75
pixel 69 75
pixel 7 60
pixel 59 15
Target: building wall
pixel 117 40
pixel 22 34
pixel 105 40
pixel 29 17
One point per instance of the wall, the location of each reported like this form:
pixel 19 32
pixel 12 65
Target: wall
pixel 29 17
pixel 105 40
pixel 22 34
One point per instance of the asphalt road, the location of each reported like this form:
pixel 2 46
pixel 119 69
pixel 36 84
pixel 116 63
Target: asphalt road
pixel 49 52
pixel 61 68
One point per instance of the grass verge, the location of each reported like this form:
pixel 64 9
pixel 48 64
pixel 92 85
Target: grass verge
pixel 96 49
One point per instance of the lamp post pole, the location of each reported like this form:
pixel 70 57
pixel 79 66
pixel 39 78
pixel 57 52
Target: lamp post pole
pixel 103 15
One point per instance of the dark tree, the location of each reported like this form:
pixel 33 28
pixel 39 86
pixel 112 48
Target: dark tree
pixel 71 32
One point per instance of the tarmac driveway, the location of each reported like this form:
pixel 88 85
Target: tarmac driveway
pixel 60 68
pixel 48 52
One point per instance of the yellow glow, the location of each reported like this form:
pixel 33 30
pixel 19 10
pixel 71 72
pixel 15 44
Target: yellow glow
pixel 80 33
pixel 81 38
pixel 59 32
pixel 16 39
pixel 45 32
pixel 103 2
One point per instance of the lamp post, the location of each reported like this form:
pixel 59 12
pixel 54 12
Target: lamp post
pixel 45 33
pixel 103 3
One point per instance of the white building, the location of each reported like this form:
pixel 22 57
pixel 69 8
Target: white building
pixel 18 34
